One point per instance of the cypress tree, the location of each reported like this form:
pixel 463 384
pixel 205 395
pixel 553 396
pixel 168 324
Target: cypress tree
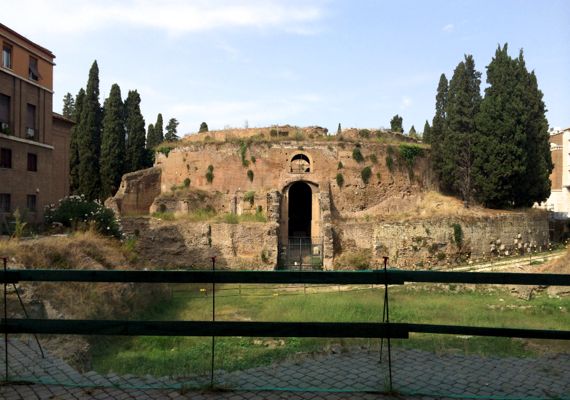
pixel 112 143
pixel 89 138
pixel 412 131
pixel 74 144
pixel 460 142
pixel 396 124
pixel 535 185
pixel 158 131
pixel 150 137
pixel 426 135
pixel 339 129
pixel 136 155
pixel 68 106
pixel 171 130
pixel 513 163
pixel 437 132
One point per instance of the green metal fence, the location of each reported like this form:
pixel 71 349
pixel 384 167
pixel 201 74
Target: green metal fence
pixel 384 330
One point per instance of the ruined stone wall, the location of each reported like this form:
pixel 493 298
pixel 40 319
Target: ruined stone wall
pixel 137 192
pixel 427 243
pixel 182 244
pixel 272 170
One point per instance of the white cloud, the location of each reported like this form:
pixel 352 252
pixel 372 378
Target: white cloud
pixel 173 16
pixel 448 28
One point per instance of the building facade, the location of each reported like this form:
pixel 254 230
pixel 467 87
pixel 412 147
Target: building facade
pixel 559 201
pixel 34 141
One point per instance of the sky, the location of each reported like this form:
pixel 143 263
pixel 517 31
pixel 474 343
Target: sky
pixel 237 63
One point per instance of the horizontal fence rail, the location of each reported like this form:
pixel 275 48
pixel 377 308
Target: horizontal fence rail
pixel 376 277
pixel 208 328
pixel 263 329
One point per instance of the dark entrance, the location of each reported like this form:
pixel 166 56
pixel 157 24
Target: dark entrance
pixel 300 210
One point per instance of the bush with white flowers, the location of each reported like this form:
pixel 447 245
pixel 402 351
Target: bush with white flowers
pixel 75 211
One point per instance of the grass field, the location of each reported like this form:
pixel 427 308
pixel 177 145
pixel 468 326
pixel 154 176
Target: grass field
pixel 491 306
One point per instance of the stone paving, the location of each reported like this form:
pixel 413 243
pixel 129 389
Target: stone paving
pixel 346 375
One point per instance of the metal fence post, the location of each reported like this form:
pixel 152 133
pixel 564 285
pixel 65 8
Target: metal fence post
pixel 213 320
pixel 5 262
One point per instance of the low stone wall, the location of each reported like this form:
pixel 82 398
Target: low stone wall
pixel 180 244
pixel 427 243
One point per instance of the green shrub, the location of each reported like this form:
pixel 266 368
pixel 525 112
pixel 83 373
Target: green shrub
pixel 164 150
pixel 253 159
pixel 339 180
pixel 74 210
pixel 299 136
pixel 187 182
pixel 366 173
pixel 390 150
pixel 340 165
pixel 242 153
pixel 357 155
pixel 409 153
pixel 249 197
pixel 373 158
pixel 210 174
pixel 364 133
pixel 390 163
pixel 273 132
pixel 457 234
pixel 250 175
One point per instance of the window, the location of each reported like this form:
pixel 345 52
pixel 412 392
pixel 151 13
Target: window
pixel 300 164
pixel 4 114
pixel 5 158
pixel 32 162
pixel 7 56
pixel 31 202
pixel 33 69
pixel 31 121
pixel 4 202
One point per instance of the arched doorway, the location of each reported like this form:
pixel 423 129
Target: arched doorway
pixel 300 210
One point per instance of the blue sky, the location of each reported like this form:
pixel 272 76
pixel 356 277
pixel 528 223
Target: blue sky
pixel 313 62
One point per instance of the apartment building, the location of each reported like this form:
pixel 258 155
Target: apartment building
pixel 34 141
pixel 559 200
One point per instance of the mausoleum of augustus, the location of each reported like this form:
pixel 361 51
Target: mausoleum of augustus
pixel 288 197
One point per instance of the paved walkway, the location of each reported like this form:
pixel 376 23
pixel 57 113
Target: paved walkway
pixel 350 375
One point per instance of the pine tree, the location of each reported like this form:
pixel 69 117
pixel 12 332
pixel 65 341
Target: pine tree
pixel 74 144
pixel 89 138
pixel 513 163
pixel 339 129
pixel 396 124
pixel 136 155
pixel 112 143
pixel 171 130
pixel 158 131
pixel 203 127
pixel 461 138
pixel 437 132
pixel 68 106
pixel 412 131
pixel 150 137
pixel 426 135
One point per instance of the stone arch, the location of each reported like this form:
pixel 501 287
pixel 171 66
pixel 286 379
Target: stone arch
pixel 301 194
pixel 300 163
